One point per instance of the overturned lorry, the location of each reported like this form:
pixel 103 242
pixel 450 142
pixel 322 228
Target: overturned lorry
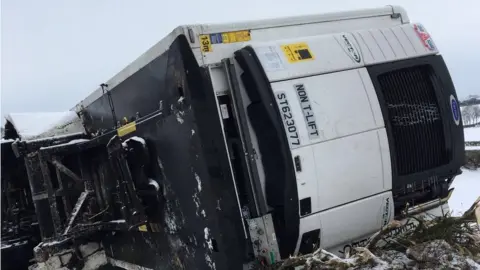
pixel 247 142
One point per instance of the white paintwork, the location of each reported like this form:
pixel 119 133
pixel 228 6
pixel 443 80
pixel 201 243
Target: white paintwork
pixel 296 31
pixel 349 121
pixel 344 103
pixel 219 80
pixel 307 181
pixel 350 126
pixel 298 26
pixel 376 46
pixel 351 168
pixel 438 211
pixel 390 44
pixel 342 224
pixel 352 135
pixel 261 30
pixel 329 57
pixel 306 19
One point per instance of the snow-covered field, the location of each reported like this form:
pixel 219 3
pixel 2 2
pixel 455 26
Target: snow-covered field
pixel 472 134
pixel 472 148
pixel 467 185
pixel 33 125
pixel 467 190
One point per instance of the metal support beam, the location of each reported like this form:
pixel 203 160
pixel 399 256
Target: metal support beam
pixel 66 170
pixel 66 203
pixel 52 198
pixel 39 195
pixel 76 210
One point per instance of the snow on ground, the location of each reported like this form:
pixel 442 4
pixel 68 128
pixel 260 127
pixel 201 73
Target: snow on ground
pixel 467 190
pixel 471 148
pixel 34 125
pixel 467 185
pixel 472 134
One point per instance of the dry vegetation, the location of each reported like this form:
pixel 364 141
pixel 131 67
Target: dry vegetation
pixel 440 243
pixel 472 161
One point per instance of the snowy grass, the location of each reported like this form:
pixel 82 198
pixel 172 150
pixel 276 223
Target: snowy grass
pixel 45 124
pixel 467 190
pixel 467 185
pixel 472 148
pixel 440 243
pixel 472 134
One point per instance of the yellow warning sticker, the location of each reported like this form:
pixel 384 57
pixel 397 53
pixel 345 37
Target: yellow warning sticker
pixel 297 52
pixel 205 43
pixel 232 37
pixel 142 228
pixel 127 129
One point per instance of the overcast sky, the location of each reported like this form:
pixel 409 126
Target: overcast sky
pixel 55 52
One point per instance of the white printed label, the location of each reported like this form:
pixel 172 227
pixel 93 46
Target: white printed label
pixel 288 119
pixel 224 111
pixel 270 59
pixel 307 110
pixel 351 49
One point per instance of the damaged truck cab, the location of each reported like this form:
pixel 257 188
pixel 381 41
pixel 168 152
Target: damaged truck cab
pixel 229 143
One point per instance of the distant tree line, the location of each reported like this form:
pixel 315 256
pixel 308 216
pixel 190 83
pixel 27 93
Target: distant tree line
pixel 471 100
pixel 471 115
pixel 470 108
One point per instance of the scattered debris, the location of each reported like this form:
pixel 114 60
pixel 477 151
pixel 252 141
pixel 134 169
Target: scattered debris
pixel 441 243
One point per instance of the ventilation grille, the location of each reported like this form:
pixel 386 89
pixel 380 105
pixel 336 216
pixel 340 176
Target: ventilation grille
pixel 414 115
